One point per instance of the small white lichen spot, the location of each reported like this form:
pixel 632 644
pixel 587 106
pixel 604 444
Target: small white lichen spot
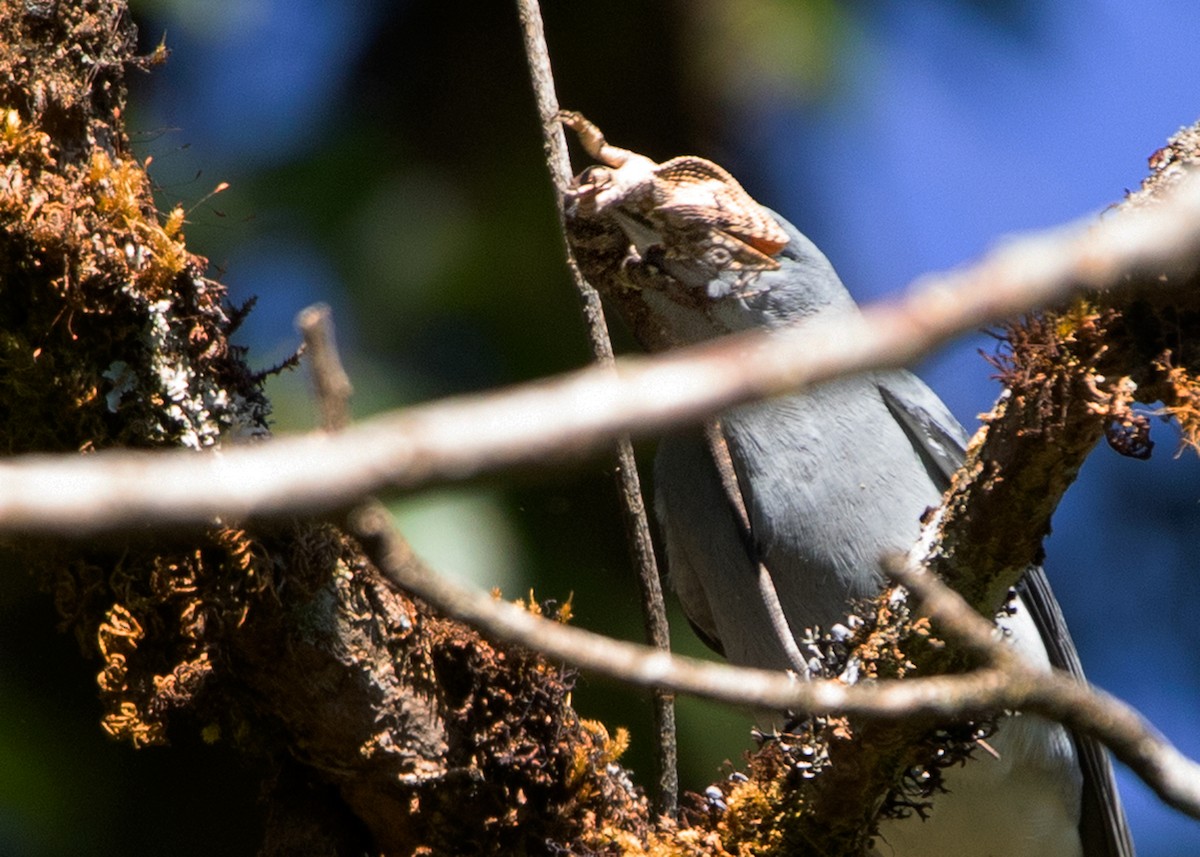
pixel 123 380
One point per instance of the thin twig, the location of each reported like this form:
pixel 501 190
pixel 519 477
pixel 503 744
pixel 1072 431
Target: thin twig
pixel 633 507
pixel 1057 694
pixel 547 422
pixel 783 632
pixel 330 381
pixel 950 612
pixel 1017 686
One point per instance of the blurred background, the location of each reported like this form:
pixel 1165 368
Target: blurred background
pixel 385 158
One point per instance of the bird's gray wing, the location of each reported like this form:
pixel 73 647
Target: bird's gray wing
pixel 941 442
pixel 1102 825
pixel 936 435
pixel 709 561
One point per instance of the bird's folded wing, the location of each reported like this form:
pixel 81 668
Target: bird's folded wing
pixel 941 441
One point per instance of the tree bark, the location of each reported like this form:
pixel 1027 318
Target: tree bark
pixel 386 724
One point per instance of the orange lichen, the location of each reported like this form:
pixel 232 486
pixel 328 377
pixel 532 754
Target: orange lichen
pixel 1184 401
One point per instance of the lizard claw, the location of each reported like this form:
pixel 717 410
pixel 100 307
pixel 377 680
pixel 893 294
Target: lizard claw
pixel 592 139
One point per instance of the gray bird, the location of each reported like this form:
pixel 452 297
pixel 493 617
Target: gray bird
pixel 833 479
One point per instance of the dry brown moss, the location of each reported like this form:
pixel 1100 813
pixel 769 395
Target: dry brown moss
pixel 111 334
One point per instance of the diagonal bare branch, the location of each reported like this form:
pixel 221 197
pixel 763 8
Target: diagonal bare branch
pixel 565 417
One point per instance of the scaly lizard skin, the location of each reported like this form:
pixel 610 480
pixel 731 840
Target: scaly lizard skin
pixel 697 209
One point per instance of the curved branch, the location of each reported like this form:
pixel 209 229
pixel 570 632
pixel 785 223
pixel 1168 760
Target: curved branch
pixel 1009 683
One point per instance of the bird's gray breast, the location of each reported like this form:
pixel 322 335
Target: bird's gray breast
pixel 832 485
